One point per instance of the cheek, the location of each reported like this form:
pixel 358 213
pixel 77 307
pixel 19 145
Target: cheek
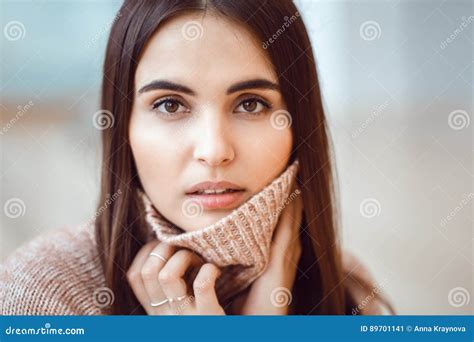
pixel 266 152
pixel 153 154
pixel 278 142
pixel 266 142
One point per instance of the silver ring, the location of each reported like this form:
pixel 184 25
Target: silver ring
pixel 177 298
pixel 159 256
pixel 159 303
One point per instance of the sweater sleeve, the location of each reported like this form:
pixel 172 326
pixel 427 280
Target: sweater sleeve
pixel 58 273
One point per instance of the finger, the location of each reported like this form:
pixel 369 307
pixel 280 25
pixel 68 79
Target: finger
pixel 150 271
pixel 134 276
pixel 299 208
pixel 296 243
pixel 172 278
pixel 283 231
pixel 297 215
pixel 286 236
pixel 204 289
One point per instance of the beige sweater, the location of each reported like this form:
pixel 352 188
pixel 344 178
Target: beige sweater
pixel 59 273
pixel 239 243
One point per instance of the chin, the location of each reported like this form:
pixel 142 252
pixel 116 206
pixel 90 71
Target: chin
pixel 206 219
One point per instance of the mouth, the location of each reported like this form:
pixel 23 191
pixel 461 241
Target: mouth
pixel 218 198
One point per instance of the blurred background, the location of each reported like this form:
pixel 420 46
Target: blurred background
pixel 397 81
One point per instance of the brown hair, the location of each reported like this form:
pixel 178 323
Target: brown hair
pixel 120 229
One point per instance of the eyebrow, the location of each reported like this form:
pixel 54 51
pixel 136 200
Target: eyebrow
pixel 258 83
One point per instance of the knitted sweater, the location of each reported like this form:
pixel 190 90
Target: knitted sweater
pixel 239 243
pixel 59 273
pixel 63 274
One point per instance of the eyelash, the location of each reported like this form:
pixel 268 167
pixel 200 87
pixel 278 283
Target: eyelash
pixel 163 100
pixel 177 101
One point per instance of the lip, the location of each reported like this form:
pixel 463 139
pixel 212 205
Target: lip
pixel 219 201
pixel 212 186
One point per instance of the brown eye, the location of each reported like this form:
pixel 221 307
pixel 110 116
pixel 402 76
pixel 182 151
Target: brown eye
pixel 169 106
pixel 252 106
pixel 249 105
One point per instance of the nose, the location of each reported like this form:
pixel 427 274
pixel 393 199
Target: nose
pixel 214 145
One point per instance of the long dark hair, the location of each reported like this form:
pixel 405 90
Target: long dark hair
pixel 120 228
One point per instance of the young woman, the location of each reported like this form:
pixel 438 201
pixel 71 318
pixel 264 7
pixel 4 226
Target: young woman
pixel 214 103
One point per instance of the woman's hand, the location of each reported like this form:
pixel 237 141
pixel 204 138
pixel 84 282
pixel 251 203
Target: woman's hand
pixel 270 294
pixel 154 280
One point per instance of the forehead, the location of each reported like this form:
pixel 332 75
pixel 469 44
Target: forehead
pixel 203 50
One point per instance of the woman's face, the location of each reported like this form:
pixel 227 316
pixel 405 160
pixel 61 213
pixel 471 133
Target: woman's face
pixel 205 93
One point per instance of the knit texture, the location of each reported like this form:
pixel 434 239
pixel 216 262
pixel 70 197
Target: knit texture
pixel 59 272
pixel 239 243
